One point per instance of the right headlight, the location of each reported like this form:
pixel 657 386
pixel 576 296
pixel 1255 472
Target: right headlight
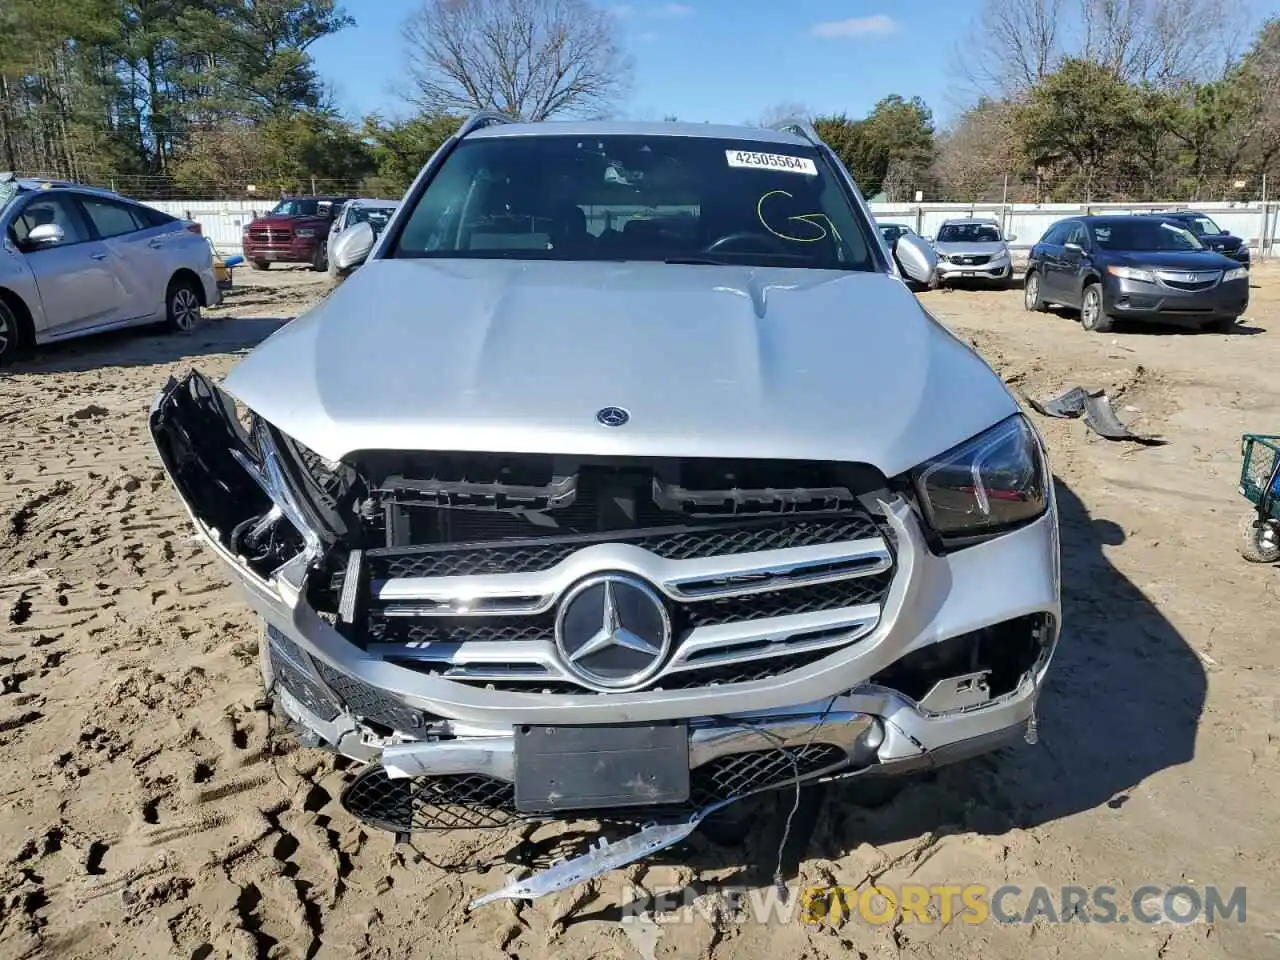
pixel 1132 273
pixel 994 481
pixel 1235 273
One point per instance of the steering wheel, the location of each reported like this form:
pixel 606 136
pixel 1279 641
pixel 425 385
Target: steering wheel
pixel 753 241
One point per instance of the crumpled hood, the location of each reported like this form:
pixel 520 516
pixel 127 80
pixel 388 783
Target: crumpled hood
pixel 989 249
pixel 710 361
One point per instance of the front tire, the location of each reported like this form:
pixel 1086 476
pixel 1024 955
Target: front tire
pixel 1031 298
pixel 1259 543
pixel 183 306
pixel 1093 317
pixel 11 337
pixel 320 261
pixel 260 264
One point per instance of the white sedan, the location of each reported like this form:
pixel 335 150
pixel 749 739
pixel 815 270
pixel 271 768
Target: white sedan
pixel 376 213
pixel 76 260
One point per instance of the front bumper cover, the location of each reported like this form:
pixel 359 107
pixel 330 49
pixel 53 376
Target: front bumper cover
pixel 425 727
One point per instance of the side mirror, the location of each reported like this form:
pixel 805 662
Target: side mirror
pixel 1010 238
pixel 916 258
pixel 1073 249
pixel 352 247
pixel 45 235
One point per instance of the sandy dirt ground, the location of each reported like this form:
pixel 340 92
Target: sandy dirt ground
pixel 150 807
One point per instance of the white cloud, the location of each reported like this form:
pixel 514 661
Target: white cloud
pixel 672 10
pixel 876 25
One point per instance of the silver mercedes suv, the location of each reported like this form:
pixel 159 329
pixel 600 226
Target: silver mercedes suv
pixel 626 477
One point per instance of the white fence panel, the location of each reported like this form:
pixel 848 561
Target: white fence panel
pixel 223 220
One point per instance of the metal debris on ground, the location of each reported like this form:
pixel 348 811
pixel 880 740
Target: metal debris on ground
pixel 602 858
pixel 1097 411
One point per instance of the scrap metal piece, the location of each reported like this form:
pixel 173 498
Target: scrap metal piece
pixel 1066 405
pixel 1097 411
pixel 600 859
pixel 1102 420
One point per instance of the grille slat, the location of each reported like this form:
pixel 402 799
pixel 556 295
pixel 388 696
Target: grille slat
pixel 528 556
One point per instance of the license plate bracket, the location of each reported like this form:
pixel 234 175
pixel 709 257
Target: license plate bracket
pixel 598 768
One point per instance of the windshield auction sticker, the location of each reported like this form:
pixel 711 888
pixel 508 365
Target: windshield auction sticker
pixel 771 161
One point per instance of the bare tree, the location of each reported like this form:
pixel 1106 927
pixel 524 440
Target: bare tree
pixel 1014 44
pixel 1163 42
pixel 530 58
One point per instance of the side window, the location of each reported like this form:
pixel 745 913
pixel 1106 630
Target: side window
pixel 1077 236
pixel 150 217
pixel 109 218
pixel 50 208
pixel 1056 235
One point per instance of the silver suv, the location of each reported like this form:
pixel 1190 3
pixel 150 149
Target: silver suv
pixel 76 260
pixel 626 475
pixel 973 249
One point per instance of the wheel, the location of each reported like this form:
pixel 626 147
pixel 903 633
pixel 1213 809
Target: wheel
pixel 1259 543
pixel 11 336
pixel 1092 316
pixel 183 306
pixel 1031 294
pixel 320 262
pixel 260 264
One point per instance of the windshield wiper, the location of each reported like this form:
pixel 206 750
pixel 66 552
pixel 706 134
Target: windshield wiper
pixel 698 261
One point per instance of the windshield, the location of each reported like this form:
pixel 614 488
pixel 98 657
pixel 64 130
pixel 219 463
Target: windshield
pixel 1148 235
pixel 1202 226
pixel 376 217
pixel 301 207
pixel 633 197
pixel 969 233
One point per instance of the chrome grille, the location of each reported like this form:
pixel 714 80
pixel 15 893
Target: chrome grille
pixel 1189 279
pixel 746 600
pixel 524 556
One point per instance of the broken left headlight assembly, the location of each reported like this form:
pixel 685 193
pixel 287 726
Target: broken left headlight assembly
pixel 236 475
pixel 986 486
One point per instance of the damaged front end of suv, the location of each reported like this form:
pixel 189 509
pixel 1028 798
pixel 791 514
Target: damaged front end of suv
pixel 508 602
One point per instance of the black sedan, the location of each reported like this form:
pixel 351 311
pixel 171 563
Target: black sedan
pixel 1140 268
pixel 1210 234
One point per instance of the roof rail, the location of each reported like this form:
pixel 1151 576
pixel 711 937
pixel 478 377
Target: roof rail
pixel 483 118
pixel 801 128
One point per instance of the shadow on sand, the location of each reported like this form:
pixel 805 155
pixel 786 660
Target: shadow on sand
pixel 141 346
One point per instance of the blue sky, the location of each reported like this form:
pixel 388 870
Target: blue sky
pixel 720 60
pixel 725 61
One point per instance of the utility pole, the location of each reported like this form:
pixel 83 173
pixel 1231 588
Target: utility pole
pixel 313 185
pixel 1262 240
pixel 1004 205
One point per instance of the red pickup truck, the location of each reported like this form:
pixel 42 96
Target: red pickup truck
pixel 295 231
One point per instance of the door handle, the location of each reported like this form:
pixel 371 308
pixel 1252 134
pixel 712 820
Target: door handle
pixel 155 244
pixel 97 256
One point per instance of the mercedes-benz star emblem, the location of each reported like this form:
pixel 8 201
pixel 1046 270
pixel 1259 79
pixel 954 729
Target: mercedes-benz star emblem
pixel 613 631
pixel 612 416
